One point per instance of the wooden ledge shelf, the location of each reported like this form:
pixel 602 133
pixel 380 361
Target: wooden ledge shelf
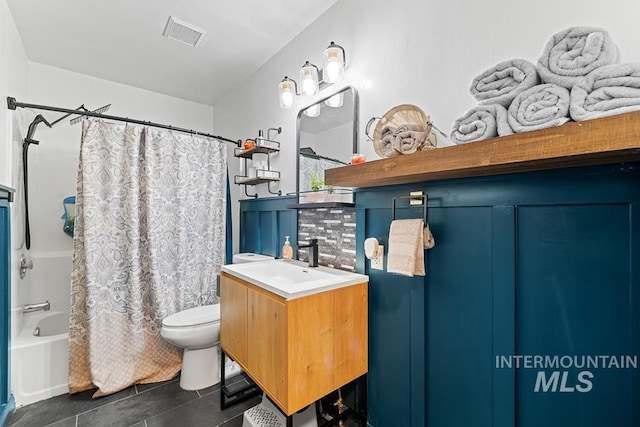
pixel 601 141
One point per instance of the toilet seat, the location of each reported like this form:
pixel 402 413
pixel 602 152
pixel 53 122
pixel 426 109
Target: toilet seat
pixel 196 316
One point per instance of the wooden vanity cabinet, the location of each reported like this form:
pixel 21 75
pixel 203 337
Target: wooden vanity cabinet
pixel 296 350
pixel 234 313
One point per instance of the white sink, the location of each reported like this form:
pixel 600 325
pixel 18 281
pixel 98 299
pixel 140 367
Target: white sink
pixel 293 279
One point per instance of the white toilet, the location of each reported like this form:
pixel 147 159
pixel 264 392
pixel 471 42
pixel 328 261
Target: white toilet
pixel 197 330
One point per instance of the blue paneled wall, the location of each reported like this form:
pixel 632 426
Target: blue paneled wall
pixel 543 265
pixel 265 222
pixel 539 264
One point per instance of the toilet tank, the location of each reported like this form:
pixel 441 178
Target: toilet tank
pixel 250 257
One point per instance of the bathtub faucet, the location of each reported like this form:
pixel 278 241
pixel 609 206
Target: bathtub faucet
pixel 28 308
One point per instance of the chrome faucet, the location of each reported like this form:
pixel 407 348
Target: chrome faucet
pixel 28 308
pixel 313 252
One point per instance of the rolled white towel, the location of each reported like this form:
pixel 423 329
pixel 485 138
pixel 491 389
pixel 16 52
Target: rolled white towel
pixel 606 91
pixel 387 141
pixel 409 138
pixel 540 107
pixel 409 141
pixel 501 83
pixel 481 122
pixel 573 53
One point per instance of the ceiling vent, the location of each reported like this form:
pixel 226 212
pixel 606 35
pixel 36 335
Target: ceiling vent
pixel 183 32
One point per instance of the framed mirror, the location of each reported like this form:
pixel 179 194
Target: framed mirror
pixel 326 137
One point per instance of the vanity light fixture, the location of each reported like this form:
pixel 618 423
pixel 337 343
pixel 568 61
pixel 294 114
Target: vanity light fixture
pixel 312 79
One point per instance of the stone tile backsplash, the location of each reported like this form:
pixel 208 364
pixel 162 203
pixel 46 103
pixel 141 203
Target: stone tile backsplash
pixel 335 229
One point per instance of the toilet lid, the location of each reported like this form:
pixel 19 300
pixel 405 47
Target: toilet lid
pixel 194 316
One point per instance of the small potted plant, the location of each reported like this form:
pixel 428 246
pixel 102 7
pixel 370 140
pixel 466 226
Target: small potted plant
pixel 317 184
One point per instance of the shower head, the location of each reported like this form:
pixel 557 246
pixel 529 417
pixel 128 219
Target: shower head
pixel 97 111
pixel 32 129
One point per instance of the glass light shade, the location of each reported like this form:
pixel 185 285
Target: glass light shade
pixel 287 92
pixel 312 111
pixel 309 79
pixel 333 63
pixel 336 100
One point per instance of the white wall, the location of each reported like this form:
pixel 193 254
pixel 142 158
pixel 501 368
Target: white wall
pixel 424 53
pixel 13 82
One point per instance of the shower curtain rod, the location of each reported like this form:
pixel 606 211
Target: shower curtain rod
pixel 12 104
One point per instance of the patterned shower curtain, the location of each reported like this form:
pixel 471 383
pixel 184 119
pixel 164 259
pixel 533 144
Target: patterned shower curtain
pixel 149 241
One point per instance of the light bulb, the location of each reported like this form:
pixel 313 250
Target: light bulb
pixel 309 79
pixel 333 63
pixel 333 71
pixel 308 87
pixel 286 99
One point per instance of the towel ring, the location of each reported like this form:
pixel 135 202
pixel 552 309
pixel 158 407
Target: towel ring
pixel 424 199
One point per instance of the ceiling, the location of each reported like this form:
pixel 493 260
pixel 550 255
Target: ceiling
pixel 121 40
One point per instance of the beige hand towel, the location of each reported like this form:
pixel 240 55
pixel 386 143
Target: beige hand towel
pixel 429 241
pixel 406 247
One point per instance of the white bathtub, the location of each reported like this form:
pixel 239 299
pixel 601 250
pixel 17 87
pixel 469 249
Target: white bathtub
pixel 40 364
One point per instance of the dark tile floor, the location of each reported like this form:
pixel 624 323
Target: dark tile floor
pixel 149 405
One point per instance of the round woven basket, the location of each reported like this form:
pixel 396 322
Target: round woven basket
pixel 405 114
